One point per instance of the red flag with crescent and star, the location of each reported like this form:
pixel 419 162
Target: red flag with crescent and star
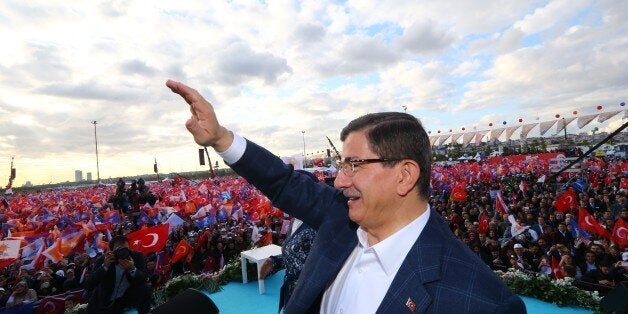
pixel 589 223
pixel 556 271
pixel 459 193
pixel 620 233
pixel 483 225
pixel 182 250
pixel 51 305
pixel 566 200
pixel 150 239
pixel 500 205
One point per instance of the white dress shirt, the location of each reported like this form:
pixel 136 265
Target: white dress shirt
pixel 366 275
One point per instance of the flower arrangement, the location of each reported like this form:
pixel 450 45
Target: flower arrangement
pixel 561 292
pixel 208 282
pixel 78 309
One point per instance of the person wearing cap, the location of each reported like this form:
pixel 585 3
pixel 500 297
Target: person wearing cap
pixel 374 225
pixel 522 256
pixel 21 295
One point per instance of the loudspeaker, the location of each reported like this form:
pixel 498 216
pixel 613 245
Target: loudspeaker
pixel 190 301
pixel 616 301
pixel 201 156
pixel 328 153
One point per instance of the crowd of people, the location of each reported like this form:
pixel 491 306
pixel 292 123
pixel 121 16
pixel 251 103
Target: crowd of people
pixel 548 240
pixel 223 216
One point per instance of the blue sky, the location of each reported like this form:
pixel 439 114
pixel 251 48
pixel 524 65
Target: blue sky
pixel 276 68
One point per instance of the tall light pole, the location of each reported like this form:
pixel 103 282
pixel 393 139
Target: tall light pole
pixel 96 140
pixel 303 132
pixel 405 108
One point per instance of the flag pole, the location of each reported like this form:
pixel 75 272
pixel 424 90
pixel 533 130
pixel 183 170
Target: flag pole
pixel 334 147
pixel 211 169
pixel 592 149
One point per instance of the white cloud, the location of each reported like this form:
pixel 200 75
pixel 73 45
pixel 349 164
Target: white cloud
pixel 276 68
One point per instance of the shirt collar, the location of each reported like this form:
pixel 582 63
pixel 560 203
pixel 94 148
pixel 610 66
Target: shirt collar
pixel 392 251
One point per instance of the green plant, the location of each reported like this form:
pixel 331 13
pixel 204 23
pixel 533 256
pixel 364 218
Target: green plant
pixel 78 309
pixel 561 292
pixel 207 282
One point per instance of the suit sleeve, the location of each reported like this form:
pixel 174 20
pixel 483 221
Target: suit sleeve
pixel 140 269
pixel 512 305
pixel 292 192
pixel 94 277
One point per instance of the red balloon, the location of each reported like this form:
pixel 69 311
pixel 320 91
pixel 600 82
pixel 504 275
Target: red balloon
pixel 557 116
pixel 575 112
pixel 490 124
pixel 599 107
pixel 520 120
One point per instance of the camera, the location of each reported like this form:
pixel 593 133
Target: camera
pixel 122 253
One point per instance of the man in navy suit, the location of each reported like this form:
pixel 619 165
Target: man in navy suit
pixel 379 248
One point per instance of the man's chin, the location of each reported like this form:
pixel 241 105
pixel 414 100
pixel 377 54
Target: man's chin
pixel 355 214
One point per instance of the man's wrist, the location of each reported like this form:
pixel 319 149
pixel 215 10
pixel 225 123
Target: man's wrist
pixel 234 151
pixel 224 141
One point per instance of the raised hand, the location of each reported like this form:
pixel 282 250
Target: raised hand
pixel 203 123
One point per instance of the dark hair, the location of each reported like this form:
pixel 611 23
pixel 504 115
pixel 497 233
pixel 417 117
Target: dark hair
pixel 116 240
pixel 396 135
pixel 569 270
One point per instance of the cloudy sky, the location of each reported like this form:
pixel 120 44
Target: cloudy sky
pixel 276 68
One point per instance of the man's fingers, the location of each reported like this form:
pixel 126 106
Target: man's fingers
pixel 197 103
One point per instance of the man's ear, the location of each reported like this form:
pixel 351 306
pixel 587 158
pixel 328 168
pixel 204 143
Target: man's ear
pixel 409 173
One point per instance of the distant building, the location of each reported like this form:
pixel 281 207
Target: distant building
pixel 28 184
pixel 78 176
pixel 89 176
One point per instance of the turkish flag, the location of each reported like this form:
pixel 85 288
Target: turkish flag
pixel 556 271
pixel 566 200
pixel 150 239
pixel 51 305
pixel 182 250
pixel 483 225
pixel 620 233
pixel 500 205
pixel 459 193
pixel 104 226
pixel 589 223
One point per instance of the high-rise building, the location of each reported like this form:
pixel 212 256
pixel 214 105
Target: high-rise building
pixel 89 176
pixel 78 176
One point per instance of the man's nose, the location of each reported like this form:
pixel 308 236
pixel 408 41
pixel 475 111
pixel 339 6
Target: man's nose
pixel 342 180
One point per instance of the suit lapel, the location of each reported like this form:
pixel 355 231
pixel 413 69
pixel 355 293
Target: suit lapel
pixel 334 243
pixel 422 265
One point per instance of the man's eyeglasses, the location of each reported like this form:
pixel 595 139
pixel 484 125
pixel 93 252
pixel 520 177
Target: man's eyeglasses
pixel 349 167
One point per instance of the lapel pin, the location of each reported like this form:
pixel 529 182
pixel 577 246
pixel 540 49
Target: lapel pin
pixel 410 305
